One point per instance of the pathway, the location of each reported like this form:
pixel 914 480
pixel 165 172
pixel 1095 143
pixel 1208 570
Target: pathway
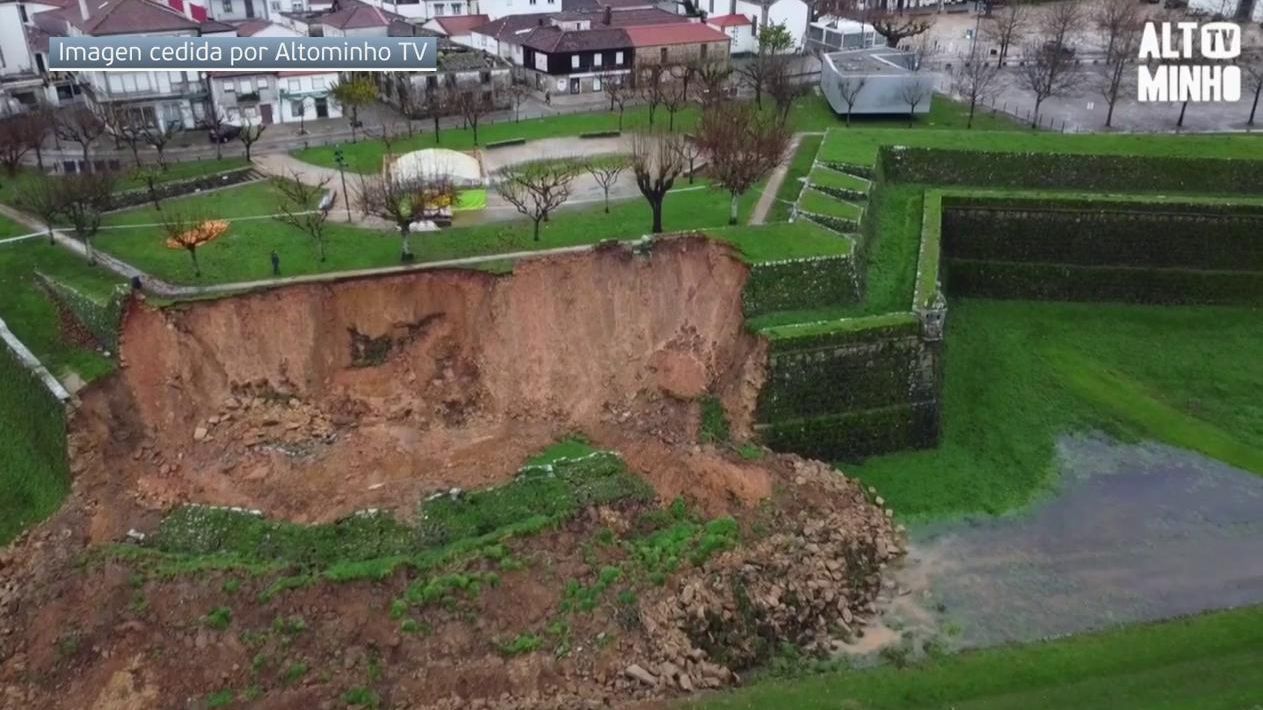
pixel 773 188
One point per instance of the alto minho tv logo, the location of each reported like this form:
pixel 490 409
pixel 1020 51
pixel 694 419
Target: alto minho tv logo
pixel 1183 78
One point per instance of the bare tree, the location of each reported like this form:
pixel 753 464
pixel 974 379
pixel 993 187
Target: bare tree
pixel 895 26
pixel 517 96
pixel 712 79
pixel 785 89
pixel 405 200
pixel 13 142
pixel 437 104
pixel 537 188
pixel 849 89
pixel 250 134
pixel 675 95
pixel 605 171
pixel 125 126
pixel 151 176
pixel 42 196
pixel 620 91
pixel 914 93
pixel 1049 68
pixel 741 146
pixel 387 133
pixel 159 137
pixel 1120 24
pixel 656 161
pixel 85 197
pixel 691 150
pixel 472 106
pixel 649 84
pixel 81 125
pixel 1252 63
pixel 762 71
pixel 215 122
pixel 411 105
pixel 306 207
pixel 1008 27
pixel 974 80
pixel 39 127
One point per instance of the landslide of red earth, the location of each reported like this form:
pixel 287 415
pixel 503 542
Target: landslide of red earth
pixel 311 402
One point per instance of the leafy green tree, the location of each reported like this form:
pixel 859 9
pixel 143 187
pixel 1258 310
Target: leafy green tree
pixel 354 94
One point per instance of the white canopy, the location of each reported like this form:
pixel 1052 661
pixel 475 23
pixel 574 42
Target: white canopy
pixel 463 168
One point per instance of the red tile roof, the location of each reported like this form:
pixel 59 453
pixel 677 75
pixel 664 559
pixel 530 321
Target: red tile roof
pixel 250 28
pixel 116 17
pixel 728 21
pixel 682 33
pixel 454 25
pixel 354 15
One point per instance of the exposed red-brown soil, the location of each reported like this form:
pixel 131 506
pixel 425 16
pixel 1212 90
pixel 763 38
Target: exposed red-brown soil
pixel 315 401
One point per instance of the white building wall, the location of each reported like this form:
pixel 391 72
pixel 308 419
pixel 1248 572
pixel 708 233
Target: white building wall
pixel 232 10
pixel 15 55
pixel 742 37
pixel 791 13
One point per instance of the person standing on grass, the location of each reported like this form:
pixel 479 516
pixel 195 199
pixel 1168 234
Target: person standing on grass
pixel 276 263
pixel 548 98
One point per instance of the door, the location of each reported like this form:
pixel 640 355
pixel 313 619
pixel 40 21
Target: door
pixel 265 114
pixel 322 108
pixel 574 86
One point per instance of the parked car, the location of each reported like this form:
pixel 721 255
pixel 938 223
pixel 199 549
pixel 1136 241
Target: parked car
pixel 224 134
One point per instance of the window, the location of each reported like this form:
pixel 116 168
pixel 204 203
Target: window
pixel 618 57
pixel 455 8
pixel 596 82
pixel 596 59
pixel 276 6
pixel 663 54
pixel 261 83
pixel 431 81
pixel 712 8
pixel 227 5
pixel 541 61
pixel 230 87
pixel 244 86
pixel 485 77
pixel 296 109
pixel 574 61
pixel 295 86
pixel 318 83
pixel 297 7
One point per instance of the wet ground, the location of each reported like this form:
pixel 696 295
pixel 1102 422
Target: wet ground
pixel 1134 533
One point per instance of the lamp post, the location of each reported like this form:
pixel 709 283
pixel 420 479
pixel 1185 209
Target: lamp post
pixel 341 162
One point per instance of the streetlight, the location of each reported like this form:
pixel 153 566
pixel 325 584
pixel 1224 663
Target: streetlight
pixel 341 162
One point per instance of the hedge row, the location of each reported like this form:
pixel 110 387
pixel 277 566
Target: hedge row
pixel 1105 203
pixel 1152 238
pixel 799 284
pixel 856 377
pixel 925 293
pixel 176 188
pixel 855 435
pixel 101 318
pixel 841 193
pixel 867 172
pixel 1123 173
pixel 1062 282
pixel 34 474
pixel 837 224
pixel 847 331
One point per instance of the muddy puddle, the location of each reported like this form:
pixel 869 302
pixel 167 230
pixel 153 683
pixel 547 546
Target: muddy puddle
pixel 1134 533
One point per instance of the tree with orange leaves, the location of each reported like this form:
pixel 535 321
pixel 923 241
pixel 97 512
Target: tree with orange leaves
pixel 188 232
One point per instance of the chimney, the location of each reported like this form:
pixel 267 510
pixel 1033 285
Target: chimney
pixel 83 10
pixel 609 15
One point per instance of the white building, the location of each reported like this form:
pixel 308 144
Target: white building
pixel 24 77
pixel 158 98
pixel 457 28
pixel 274 97
pixel 1231 9
pixel 791 13
pixel 740 30
pixel 878 80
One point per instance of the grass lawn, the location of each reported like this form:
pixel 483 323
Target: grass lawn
pixel 818 202
pixel 1021 373
pixel 810 113
pixel 1204 662
pixel 30 314
pixel 249 200
pixel 833 178
pixel 799 166
pixel 9 186
pixel 243 254
pixel 9 228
